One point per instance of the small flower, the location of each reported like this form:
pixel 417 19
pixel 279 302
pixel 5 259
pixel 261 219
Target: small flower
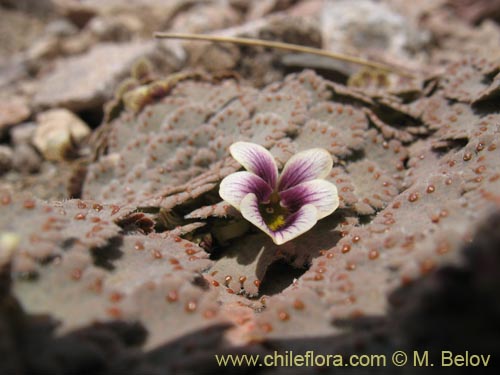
pixel 282 206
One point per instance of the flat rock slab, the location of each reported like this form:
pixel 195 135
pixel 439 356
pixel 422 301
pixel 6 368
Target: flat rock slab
pixel 83 82
pixel 13 110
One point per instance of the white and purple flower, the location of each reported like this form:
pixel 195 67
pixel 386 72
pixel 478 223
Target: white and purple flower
pixel 282 206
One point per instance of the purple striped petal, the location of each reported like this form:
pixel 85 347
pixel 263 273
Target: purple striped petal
pixel 320 193
pixel 305 166
pixel 256 159
pixel 237 185
pixel 296 224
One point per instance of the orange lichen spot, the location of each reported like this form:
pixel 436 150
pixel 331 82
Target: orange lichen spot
pixel 480 147
pixel 373 254
pixel 467 156
pixel 95 219
pixel 357 314
pixel 76 274
pixel 329 255
pixel 413 197
pixel 177 239
pixel 173 261
pixel 80 216
pixel 443 213
pixel 396 205
pixel 81 205
pixel 342 276
pixel 346 248
pixel 97 207
pixel 492 147
pixel 172 296
pixel 480 169
pixel 96 286
pixel 215 283
pixel 283 316
pixel 29 204
pixel 97 228
pixel 191 251
pixel 139 246
pixel 351 266
pixel 156 254
pixel 426 266
pixel 242 279
pixel 266 327
pixel 494 178
pixel 227 279
pixel 443 248
pixel 114 312
pixel 209 313
pixel 298 304
pixel 256 283
pixel 356 239
pixel 389 221
pixel 430 189
pixel 346 287
pixel 321 270
pixel 350 300
pixel 230 291
pixel 405 279
pixel 389 242
pixel 5 199
pixel 115 297
pixel 318 277
pixel 190 306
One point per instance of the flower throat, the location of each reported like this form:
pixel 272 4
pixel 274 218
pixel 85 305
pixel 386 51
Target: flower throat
pixel 273 214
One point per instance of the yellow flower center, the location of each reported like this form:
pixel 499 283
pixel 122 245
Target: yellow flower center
pixel 273 214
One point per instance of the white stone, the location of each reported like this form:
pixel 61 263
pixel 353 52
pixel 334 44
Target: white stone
pixel 57 132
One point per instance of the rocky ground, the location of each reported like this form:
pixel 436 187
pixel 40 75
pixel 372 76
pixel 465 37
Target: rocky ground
pixel 116 251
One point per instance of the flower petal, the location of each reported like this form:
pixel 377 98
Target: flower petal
pixel 296 224
pixel 305 166
pixel 236 186
pixel 320 193
pixel 256 159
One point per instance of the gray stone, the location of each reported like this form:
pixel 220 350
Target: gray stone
pixel 6 155
pixel 22 133
pixel 84 82
pixel 369 26
pixel 26 159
